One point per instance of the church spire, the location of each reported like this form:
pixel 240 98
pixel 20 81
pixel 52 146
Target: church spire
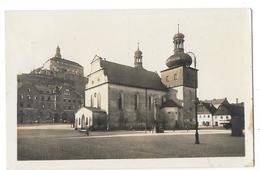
pixel 138 58
pixel 58 52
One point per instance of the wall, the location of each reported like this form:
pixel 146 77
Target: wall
pixel 128 116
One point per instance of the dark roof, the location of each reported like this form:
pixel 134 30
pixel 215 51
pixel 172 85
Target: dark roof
pixel 232 109
pixel 95 109
pixel 170 103
pixel 216 101
pixel 210 107
pixel 131 76
pixel 66 61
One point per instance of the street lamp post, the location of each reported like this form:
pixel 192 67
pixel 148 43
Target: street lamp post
pixel 196 103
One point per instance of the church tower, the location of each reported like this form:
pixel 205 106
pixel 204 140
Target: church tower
pixel 181 77
pixel 138 58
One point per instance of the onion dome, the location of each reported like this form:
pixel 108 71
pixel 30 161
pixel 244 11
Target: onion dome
pixel 179 58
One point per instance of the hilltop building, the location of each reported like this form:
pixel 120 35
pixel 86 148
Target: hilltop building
pixel 51 93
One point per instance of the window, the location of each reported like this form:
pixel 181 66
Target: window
pixel 79 121
pixel 175 76
pixel 167 78
pixel 35 98
pixel 49 98
pixel 226 117
pixel 42 98
pixel 86 120
pixel 98 100
pixel 136 101
pixel 91 101
pixel 21 96
pixel 29 90
pixel 150 102
pixel 208 116
pixel 120 101
pixel 29 97
pixel 221 117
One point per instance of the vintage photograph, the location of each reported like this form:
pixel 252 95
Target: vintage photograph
pixel 129 84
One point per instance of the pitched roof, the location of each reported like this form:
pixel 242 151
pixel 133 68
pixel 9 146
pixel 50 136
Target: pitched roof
pixel 131 76
pixel 95 109
pixel 215 101
pixel 210 107
pixel 231 109
pixel 170 103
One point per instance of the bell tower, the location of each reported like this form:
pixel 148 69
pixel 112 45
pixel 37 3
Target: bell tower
pixel 182 77
pixel 138 58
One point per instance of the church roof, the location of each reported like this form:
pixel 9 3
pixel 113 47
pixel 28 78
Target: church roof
pixel 131 76
pixel 170 103
pixel 95 109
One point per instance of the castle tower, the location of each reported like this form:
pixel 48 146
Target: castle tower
pixel 57 54
pixel 181 77
pixel 138 58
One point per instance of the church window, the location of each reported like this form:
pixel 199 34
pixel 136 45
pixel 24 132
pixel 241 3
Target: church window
pixel 149 102
pixel 136 101
pixel 120 101
pixel 29 97
pixel 35 98
pixel 91 101
pixel 98 100
pixel 86 120
pixel 175 76
pixel 167 78
pixel 29 90
pixel 21 96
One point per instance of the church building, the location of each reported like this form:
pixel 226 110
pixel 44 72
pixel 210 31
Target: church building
pixel 136 98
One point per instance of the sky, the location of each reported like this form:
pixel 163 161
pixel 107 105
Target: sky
pixel 220 39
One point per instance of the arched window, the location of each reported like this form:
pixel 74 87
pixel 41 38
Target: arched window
pixel 91 100
pixel 175 77
pixel 120 101
pixel 150 102
pixel 136 101
pixel 98 100
pixel 86 120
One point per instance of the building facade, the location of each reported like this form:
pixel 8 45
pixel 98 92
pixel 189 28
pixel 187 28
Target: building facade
pixel 205 114
pixel 135 98
pixel 51 93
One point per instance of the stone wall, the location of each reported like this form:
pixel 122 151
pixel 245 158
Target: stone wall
pixel 129 107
